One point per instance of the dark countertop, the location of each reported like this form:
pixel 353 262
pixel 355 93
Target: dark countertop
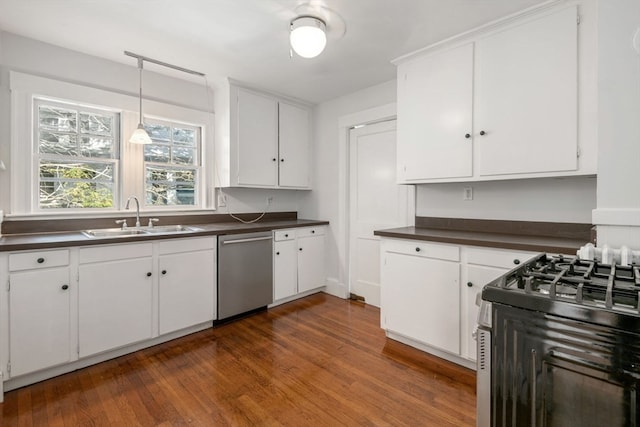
pixel 31 241
pixel 563 245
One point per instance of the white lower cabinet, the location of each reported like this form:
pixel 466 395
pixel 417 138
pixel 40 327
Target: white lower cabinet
pixel 420 291
pixel 429 292
pixel 115 300
pixel 186 283
pixel 39 300
pixel 298 262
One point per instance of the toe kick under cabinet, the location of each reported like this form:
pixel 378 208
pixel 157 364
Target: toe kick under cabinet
pixel 63 309
pixel 429 292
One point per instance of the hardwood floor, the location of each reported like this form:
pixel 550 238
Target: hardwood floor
pixel 319 361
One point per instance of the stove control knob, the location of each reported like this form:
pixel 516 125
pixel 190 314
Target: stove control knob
pixel 469 284
pixel 516 261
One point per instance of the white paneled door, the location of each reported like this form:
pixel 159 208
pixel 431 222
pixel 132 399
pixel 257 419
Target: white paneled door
pixel 376 202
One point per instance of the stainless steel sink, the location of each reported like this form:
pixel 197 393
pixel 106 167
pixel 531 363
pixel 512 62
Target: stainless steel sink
pixel 113 232
pixel 128 232
pixel 158 229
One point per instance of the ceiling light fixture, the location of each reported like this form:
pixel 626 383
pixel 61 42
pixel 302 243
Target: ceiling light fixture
pixel 308 36
pixel 140 136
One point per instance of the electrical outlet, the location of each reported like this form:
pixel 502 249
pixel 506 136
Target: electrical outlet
pixel 269 200
pixel 222 200
pixel 468 193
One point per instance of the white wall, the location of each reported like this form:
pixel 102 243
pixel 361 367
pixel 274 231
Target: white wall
pixel 618 212
pixel 323 201
pixel 42 59
pixel 550 199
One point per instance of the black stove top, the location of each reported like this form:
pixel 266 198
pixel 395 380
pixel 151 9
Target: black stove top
pixel 571 287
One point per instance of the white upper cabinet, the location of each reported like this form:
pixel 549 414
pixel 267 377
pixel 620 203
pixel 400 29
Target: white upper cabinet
pixel 269 142
pixel 435 95
pixel 509 101
pixel 527 97
pixel 257 139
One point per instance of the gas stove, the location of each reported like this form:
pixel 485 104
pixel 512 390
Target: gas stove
pixel 568 286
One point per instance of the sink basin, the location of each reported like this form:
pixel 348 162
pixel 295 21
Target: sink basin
pixel 113 232
pixel 171 229
pixel 128 232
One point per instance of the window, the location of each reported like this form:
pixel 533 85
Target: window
pixel 77 152
pixel 172 164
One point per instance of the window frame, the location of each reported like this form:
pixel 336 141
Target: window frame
pixel 25 88
pixel 115 161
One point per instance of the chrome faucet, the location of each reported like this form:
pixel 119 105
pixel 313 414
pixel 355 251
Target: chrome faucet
pixel 137 209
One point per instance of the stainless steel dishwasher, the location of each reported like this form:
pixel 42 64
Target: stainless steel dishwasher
pixel 245 273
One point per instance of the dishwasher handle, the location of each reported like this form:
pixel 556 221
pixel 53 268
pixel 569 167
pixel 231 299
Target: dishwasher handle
pixel 253 239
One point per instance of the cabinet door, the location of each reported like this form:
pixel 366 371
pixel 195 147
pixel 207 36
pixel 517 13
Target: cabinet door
pixel 477 277
pixel 421 299
pixel 293 146
pixel 257 133
pixel 115 302
pixel 526 103
pixel 186 290
pixel 39 320
pixel 310 263
pixel 285 269
pixel 434 116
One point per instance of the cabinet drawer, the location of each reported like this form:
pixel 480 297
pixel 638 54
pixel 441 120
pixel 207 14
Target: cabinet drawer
pixel 497 257
pixel 311 231
pixel 185 245
pixel 115 252
pixel 40 259
pixel 422 249
pixel 281 235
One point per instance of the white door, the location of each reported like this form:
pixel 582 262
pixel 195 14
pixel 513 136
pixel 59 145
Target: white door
pixel 376 202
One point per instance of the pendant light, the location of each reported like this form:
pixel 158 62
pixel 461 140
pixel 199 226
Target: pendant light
pixel 308 36
pixel 140 136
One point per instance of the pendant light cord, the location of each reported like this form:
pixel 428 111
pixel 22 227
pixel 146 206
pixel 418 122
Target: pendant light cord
pixel 140 61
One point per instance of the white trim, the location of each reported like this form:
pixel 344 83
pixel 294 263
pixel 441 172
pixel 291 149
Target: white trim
pixel 345 123
pixel 616 216
pixel 335 288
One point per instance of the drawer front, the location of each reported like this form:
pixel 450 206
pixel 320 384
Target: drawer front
pixel 115 252
pixel 310 231
pixel 497 257
pixel 39 259
pixel 421 249
pixel 186 245
pixel 281 235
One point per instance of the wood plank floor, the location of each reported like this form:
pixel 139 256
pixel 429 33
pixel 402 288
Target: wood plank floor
pixel 318 361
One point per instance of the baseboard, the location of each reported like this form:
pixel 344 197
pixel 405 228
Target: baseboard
pixel 337 289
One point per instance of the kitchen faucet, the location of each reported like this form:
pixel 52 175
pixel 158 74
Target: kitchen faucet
pixel 137 209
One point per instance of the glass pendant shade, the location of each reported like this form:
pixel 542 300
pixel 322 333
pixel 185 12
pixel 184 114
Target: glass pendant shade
pixel 308 37
pixel 140 136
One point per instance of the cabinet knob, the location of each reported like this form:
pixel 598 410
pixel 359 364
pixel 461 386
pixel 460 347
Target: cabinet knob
pixel 65 287
pixel 164 271
pixel 313 231
pixel 149 274
pixel 469 284
pixel 277 253
pixel 282 160
pixel 300 249
pixel 417 249
pixel 286 235
pixel 274 159
pixel 516 261
pixel 482 132
pixel 467 135
pixel 40 260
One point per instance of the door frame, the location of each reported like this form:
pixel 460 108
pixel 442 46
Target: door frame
pixel 345 123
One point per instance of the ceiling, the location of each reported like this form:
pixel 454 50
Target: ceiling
pixel 248 39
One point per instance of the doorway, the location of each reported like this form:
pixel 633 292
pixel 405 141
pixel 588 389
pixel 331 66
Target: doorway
pixel 375 202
